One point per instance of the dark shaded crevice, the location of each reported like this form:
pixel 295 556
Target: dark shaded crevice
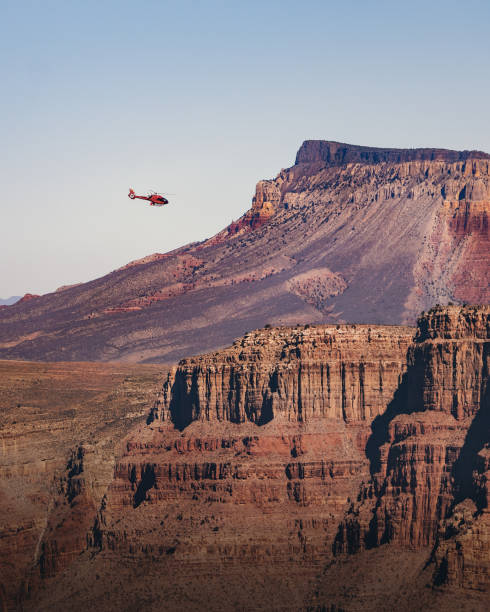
pixel 441 573
pixel 469 463
pixel 234 397
pixel 371 536
pixel 362 399
pixel 147 482
pixel 181 404
pixel 266 413
pixel 408 398
pixel 300 400
pixel 342 374
pixel 75 484
pixel 97 534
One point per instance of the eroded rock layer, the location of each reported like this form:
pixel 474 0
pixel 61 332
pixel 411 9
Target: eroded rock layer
pixel 339 372
pixel 271 474
pixel 429 453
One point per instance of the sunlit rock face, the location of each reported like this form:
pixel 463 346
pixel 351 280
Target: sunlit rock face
pixel 280 470
pixel 346 372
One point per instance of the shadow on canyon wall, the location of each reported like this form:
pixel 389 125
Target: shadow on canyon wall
pixel 470 463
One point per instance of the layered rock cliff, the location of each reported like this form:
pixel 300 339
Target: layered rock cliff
pixel 279 472
pixel 246 465
pixel 429 453
pixel 340 372
pixel 346 234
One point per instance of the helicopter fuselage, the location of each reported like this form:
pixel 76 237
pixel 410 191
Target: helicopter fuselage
pixel 155 199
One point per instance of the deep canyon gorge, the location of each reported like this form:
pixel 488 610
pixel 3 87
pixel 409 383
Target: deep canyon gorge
pixel 315 467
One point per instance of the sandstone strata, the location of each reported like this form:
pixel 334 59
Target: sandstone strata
pixel 279 472
pixel 429 453
pixel 346 373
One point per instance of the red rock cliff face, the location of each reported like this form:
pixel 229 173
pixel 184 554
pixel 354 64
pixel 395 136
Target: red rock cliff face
pixel 340 372
pixel 249 458
pixel 429 452
pixel 305 399
pixel 262 466
pixel 233 487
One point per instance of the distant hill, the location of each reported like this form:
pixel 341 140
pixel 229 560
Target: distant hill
pixel 347 234
pixel 9 301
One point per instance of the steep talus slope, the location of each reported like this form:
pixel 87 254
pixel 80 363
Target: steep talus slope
pixel 347 233
pixel 316 467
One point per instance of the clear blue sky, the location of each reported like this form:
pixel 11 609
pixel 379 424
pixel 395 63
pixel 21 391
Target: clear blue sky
pixel 203 99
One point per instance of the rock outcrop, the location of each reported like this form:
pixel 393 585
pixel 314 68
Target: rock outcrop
pixel 347 234
pixel 346 373
pixel 26 298
pixel 276 472
pixel 340 154
pixel 247 462
pixel 429 453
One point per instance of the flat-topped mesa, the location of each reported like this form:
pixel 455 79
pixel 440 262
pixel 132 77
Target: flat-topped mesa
pixel 364 236
pixel 346 372
pixel 339 153
pixel 459 178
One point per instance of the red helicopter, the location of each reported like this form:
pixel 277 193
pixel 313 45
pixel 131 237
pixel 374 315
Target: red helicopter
pixel 155 199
